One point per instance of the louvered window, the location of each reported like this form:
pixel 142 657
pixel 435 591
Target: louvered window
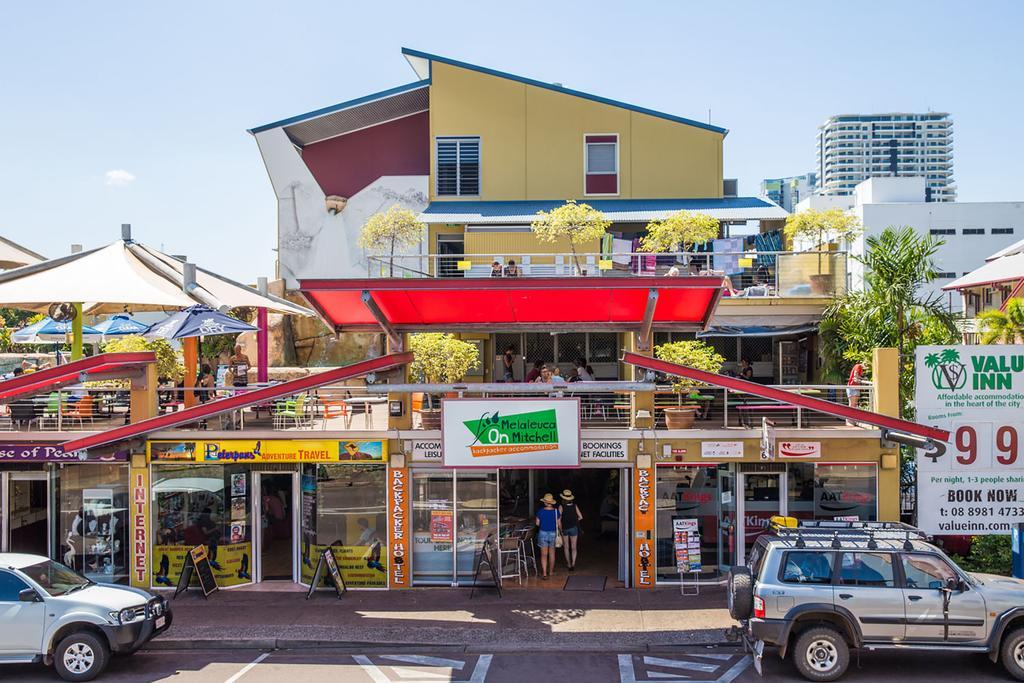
pixel 458 166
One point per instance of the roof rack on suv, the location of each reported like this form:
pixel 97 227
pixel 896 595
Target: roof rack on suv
pixel 833 530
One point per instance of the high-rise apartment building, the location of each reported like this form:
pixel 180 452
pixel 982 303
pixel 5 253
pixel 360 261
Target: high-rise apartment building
pixel 855 147
pixel 788 192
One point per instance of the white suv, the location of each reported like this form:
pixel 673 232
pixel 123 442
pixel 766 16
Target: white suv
pixel 50 613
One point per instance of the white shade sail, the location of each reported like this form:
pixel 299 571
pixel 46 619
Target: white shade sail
pixel 127 275
pixel 13 255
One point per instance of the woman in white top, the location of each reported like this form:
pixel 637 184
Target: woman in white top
pixel 581 370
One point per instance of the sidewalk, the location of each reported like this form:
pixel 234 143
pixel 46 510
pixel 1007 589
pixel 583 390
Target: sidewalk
pixel 523 619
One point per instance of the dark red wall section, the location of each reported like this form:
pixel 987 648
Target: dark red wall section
pixel 348 163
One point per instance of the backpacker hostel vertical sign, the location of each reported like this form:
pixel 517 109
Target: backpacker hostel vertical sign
pixel 643 527
pixel 521 432
pixel 977 393
pixel 398 524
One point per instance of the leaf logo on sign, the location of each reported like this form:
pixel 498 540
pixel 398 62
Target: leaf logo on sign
pixel 948 373
pixel 496 434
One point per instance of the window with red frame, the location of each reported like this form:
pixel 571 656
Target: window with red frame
pixel 601 175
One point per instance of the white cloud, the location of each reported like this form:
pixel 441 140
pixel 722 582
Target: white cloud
pixel 119 176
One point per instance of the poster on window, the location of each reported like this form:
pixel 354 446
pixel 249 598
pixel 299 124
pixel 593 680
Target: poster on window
pixel 976 393
pixel 441 526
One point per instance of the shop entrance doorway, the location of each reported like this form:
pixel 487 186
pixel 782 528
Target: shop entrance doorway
pixel 762 496
pixel 26 519
pixel 275 517
pixel 600 496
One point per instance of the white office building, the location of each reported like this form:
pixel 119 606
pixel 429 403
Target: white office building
pixel 972 231
pixel 855 147
pixel 788 192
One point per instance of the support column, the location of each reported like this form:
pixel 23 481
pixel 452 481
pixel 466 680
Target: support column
pixel 262 337
pixel 403 421
pixel 139 565
pixel 76 333
pixel 885 400
pixel 638 401
pixel 190 351
pixel 142 394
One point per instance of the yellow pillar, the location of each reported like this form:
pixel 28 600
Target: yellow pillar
pixel 403 421
pixel 885 376
pixel 885 400
pixel 142 394
pixel 139 571
pixel 637 400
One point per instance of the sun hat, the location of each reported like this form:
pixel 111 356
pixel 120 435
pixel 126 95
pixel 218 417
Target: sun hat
pixel 567 495
pixel 548 498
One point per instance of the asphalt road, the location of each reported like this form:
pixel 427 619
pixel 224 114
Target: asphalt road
pixel 724 665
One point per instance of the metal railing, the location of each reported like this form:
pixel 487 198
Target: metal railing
pixel 748 273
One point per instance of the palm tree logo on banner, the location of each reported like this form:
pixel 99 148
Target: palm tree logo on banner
pixel 948 373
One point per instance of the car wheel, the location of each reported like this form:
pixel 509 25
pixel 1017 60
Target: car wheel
pixel 1013 653
pixel 80 656
pixel 821 654
pixel 740 593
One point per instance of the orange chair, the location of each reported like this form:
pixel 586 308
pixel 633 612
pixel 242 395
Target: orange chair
pixel 333 409
pixel 82 410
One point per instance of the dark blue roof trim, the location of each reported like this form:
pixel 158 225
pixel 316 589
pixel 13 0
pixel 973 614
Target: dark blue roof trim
pixel 567 91
pixel 343 105
pixel 518 208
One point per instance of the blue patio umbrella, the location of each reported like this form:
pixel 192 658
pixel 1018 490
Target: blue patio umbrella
pixel 121 325
pixel 50 331
pixel 196 321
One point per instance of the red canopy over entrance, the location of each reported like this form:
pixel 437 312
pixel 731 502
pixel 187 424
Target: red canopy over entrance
pixel 543 303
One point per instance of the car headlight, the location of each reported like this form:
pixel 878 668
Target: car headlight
pixel 128 615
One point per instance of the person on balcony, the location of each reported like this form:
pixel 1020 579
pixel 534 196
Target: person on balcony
pixel 853 387
pixel 746 370
pixel 585 372
pixel 545 376
pixel 508 362
pixel 556 376
pixel 496 269
pixel 240 363
pixel 512 270
pixel 534 372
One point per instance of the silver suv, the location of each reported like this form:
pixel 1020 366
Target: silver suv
pixel 50 613
pixel 821 589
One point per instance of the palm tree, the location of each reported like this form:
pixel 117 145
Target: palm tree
pixel 1003 327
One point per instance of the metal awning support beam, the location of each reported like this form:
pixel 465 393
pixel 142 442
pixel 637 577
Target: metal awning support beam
pixel 239 401
pixel 101 366
pixel 644 342
pixel 569 388
pixel 393 336
pixel 771 393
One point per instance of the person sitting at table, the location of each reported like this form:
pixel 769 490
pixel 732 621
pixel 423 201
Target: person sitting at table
pixel 205 383
pixel 534 372
pixel 496 269
pixel 746 370
pixel 512 270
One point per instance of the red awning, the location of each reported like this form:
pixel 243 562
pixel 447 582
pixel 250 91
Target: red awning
pixel 242 400
pixel 544 303
pixel 91 369
pixel 783 396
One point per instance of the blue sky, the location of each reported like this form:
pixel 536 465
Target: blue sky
pixel 162 94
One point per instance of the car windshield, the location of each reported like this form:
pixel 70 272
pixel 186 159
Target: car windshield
pixel 55 578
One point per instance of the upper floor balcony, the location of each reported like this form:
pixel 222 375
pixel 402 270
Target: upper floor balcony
pixel 752 274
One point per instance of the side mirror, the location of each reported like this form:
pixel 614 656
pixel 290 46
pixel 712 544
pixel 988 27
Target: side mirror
pixel 29 595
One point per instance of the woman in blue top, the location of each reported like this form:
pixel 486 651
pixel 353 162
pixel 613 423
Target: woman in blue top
pixel 549 521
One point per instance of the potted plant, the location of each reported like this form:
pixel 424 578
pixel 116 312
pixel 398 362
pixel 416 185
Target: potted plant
pixel 694 354
pixel 819 228
pixel 679 232
pixel 578 224
pixel 439 358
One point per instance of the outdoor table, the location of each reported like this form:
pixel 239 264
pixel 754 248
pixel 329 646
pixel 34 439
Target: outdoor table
pixel 367 402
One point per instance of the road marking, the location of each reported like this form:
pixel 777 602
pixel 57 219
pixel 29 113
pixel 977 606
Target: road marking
pixel 409 675
pixel 247 667
pixel 693 669
pixel 427 661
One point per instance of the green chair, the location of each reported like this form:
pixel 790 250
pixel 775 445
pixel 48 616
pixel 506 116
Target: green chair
pixel 291 409
pixel 51 410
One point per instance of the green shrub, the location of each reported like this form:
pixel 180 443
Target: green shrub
pixel 988 555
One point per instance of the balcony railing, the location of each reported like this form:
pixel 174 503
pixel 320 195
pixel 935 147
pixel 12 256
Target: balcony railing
pixel 750 273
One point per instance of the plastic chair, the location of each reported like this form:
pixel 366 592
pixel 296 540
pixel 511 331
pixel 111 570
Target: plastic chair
pixel 290 409
pixel 81 411
pixel 51 411
pixel 336 409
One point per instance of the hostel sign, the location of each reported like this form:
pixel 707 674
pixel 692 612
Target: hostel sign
pixel 526 432
pixel 643 528
pixel 977 393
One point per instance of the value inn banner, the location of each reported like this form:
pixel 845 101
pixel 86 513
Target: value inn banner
pixel 976 392
pixel 522 432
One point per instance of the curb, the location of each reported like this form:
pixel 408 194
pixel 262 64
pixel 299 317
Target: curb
pixel 168 644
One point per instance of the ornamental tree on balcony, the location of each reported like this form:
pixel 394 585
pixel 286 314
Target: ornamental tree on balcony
pixel 577 223
pixel 821 227
pixel 694 354
pixel 384 232
pixel 679 232
pixel 440 358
